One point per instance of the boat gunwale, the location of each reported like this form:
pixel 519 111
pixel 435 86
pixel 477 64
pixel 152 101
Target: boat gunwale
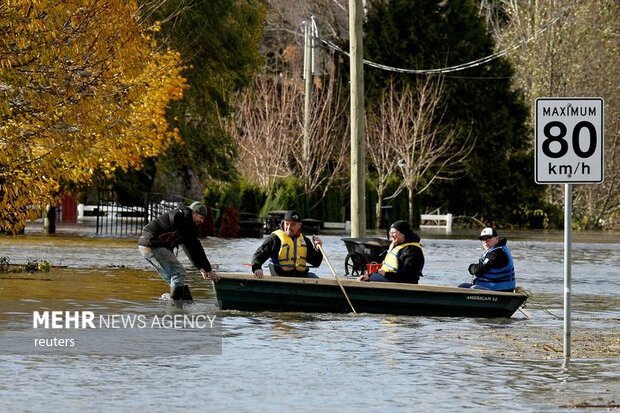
pixel 230 276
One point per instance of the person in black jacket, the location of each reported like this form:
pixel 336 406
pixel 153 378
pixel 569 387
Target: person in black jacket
pixel 289 250
pixel 162 235
pixel 404 260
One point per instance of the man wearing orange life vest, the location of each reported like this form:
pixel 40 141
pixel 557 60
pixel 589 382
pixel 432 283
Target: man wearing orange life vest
pixel 289 250
pixel 404 260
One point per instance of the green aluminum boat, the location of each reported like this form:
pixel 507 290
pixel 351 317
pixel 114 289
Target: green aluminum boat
pixel 244 292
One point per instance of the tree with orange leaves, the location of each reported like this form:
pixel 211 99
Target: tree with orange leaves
pixel 83 88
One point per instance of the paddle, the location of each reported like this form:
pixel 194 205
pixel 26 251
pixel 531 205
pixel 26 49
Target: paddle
pixel 320 247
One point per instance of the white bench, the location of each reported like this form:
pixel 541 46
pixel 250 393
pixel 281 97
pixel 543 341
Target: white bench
pixel 81 208
pixel 438 221
pixel 110 211
pixel 345 226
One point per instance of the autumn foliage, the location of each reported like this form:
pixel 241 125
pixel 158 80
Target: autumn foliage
pixel 83 88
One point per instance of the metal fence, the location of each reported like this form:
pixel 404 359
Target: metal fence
pixel 114 218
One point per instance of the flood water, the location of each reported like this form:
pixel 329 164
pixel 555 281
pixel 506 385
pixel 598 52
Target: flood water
pixel 315 362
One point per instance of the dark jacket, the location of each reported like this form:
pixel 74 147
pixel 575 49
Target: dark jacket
pixel 270 249
pixel 172 229
pixel 494 259
pixel 495 269
pixel 410 262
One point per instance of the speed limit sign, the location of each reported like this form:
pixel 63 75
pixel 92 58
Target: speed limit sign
pixel 569 140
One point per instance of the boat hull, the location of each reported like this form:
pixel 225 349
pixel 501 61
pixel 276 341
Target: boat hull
pixel 246 293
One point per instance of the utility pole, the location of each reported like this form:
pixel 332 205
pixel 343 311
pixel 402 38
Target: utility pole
pixel 308 60
pixel 358 147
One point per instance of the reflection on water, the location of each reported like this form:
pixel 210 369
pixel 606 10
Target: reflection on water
pixel 318 362
pixel 325 361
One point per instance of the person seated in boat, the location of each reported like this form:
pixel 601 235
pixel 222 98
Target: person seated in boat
pixel 404 261
pixel 289 251
pixel 495 269
pixel 165 233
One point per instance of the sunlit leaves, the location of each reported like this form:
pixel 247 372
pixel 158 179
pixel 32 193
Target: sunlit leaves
pixel 84 88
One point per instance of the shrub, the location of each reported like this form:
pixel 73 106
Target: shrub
pixel 229 227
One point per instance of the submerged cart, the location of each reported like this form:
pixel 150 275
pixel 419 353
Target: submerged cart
pixel 363 251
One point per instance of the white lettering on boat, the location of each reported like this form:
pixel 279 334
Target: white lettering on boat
pixel 481 298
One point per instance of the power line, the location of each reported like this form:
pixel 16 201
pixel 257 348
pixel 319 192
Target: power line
pixel 455 68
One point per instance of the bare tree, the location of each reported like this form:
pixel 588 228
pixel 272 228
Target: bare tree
pixel 262 128
pixel 382 156
pixel 328 135
pixel 572 51
pixel 268 130
pixel 409 135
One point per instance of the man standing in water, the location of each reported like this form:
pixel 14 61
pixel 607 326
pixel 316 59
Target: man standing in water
pixel 495 270
pixel 162 235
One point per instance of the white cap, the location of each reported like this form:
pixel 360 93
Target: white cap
pixel 488 232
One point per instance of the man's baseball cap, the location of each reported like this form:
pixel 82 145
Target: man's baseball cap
pixel 292 216
pixel 488 232
pixel 199 208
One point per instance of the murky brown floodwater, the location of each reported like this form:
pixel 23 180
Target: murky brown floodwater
pixel 310 362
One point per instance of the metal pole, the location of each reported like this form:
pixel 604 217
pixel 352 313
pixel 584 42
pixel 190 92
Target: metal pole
pixel 568 220
pixel 314 34
pixel 308 90
pixel 358 149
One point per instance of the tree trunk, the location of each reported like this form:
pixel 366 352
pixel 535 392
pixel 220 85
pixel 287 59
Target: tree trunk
pixel 411 208
pixel 378 213
pixel 49 223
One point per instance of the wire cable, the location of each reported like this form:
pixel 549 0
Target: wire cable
pixel 454 68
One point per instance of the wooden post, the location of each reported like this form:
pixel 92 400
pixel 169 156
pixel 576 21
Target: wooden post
pixel 358 148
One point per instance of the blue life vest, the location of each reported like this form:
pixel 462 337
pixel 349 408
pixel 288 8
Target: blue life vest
pixel 498 278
